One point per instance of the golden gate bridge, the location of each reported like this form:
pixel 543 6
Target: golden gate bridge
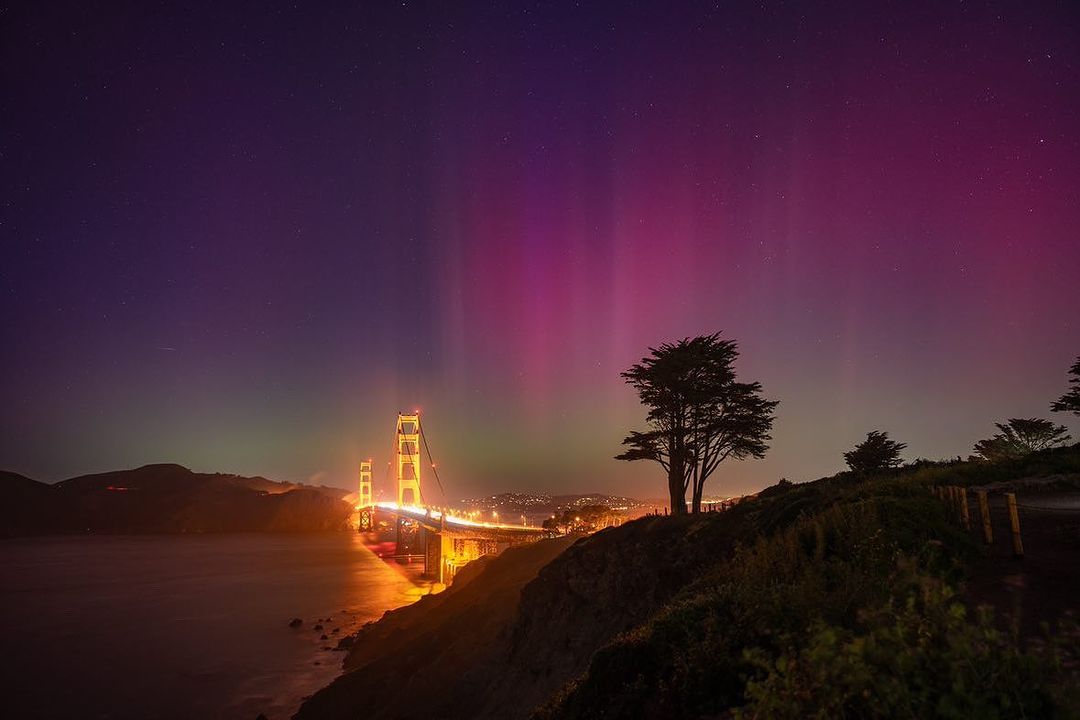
pixel 445 540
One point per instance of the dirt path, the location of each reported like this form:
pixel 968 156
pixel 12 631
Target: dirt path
pixel 1045 583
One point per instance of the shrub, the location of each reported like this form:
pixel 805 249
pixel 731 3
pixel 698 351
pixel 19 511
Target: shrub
pixel 923 660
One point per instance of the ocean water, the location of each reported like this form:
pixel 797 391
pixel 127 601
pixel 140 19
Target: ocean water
pixel 180 626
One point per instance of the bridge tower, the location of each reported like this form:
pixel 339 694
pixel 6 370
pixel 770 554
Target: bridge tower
pixel 408 459
pixel 366 498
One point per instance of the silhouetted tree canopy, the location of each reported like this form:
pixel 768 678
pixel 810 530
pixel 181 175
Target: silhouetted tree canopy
pixel 1070 401
pixel 876 452
pixel 1019 437
pixel 587 518
pixel 699 414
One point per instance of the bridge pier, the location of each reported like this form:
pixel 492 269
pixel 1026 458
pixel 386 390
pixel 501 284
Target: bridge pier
pixel 439 563
pixel 409 539
pixel 447 551
pixel 445 542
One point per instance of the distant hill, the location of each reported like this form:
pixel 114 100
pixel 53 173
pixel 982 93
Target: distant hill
pixel 25 502
pixel 16 485
pixel 167 498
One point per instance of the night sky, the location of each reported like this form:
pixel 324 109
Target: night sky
pixel 241 237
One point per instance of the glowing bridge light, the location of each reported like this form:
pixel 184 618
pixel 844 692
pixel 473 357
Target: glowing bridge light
pixel 419 512
pixel 446 538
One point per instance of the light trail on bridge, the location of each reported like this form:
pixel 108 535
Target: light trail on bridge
pixel 445 541
pixel 419 512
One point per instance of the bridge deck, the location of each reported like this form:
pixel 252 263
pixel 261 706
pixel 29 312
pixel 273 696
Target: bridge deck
pixel 438 521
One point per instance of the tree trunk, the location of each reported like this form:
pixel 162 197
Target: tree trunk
pixel 698 491
pixel 676 490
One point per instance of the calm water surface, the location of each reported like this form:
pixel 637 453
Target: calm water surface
pixel 180 626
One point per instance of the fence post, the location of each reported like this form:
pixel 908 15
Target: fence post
pixel 984 511
pixel 1014 521
pixel 965 516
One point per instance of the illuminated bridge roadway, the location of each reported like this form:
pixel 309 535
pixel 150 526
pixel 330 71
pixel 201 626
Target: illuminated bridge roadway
pixel 445 540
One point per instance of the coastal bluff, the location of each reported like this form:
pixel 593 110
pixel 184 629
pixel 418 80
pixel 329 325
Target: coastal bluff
pixel 686 616
pixel 514 629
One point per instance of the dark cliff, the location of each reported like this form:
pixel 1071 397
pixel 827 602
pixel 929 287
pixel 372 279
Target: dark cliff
pixel 518 627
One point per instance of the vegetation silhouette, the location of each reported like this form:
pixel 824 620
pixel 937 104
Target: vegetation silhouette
pixel 877 452
pixel 699 414
pixel 587 518
pixel 1070 401
pixel 835 598
pixel 1020 437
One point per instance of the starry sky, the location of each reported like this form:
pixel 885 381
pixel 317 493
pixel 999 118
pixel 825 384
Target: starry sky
pixel 243 236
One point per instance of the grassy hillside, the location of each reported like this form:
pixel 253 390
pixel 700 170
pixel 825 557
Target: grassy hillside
pixel 841 602
pixel 837 598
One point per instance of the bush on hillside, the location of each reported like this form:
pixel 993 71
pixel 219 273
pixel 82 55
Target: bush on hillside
pixel 924 659
pixel 690 659
pixel 847 575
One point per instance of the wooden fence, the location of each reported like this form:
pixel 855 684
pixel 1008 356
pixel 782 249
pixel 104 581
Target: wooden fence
pixel 957 498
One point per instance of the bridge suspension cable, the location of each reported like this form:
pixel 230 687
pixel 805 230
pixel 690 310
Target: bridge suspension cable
pixel 434 470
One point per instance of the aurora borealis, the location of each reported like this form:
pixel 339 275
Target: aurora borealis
pixel 242 238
